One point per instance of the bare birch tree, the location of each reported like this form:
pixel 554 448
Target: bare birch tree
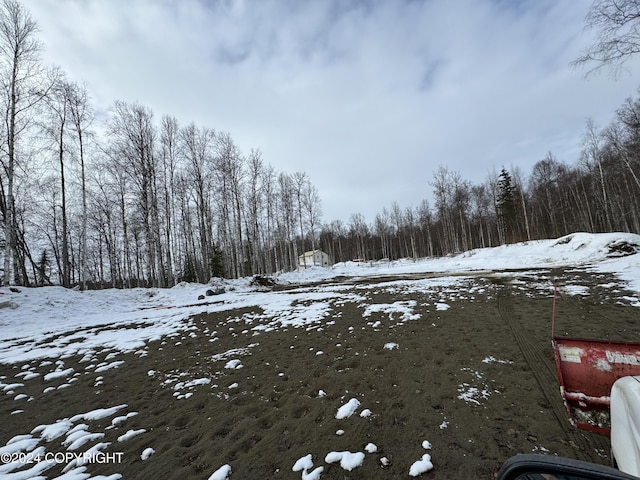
pixel 299 182
pixel 197 148
pixel 169 150
pixel 133 134
pixel 592 156
pixel 21 80
pixel 255 206
pixel 55 126
pixel 81 115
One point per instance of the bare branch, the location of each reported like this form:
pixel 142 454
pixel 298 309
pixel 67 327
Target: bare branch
pixel 617 24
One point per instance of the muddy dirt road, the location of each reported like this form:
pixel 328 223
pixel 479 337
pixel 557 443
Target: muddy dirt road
pixel 465 363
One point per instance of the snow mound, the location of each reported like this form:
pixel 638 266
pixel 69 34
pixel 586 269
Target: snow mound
pixel 600 246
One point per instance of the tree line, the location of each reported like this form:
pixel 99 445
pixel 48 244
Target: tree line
pixel 598 193
pixel 137 200
pixel 145 202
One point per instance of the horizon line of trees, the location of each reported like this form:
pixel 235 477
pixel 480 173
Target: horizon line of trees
pixel 143 203
pixel 149 202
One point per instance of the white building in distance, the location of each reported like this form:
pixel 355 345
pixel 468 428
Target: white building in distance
pixel 314 258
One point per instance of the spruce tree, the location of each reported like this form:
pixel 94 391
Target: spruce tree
pixel 506 206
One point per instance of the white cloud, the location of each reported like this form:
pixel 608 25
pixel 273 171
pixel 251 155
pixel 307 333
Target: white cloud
pixel 368 98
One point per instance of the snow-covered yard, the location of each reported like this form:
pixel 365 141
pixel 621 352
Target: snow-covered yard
pixel 55 339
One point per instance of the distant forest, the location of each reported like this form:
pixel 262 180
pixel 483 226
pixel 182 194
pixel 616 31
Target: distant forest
pixel 137 200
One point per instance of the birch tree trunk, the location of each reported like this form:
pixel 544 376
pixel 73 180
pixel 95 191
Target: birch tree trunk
pixel 81 117
pixel 20 62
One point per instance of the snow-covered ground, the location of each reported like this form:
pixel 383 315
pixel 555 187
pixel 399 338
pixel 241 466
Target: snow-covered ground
pixel 52 322
pixel 35 314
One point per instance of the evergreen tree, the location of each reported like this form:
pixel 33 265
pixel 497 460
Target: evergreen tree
pixel 189 273
pixel 43 266
pixel 506 207
pixel 216 261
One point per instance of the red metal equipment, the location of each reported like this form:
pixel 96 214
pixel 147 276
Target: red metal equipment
pixel 586 371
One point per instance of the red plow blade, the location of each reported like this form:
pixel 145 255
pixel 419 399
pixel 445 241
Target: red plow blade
pixel 586 370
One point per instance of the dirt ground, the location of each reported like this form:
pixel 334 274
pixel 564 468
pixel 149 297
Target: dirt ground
pixel 496 340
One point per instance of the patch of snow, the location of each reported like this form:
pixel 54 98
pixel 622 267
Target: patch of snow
pixel 492 359
pixel 53 431
pixel 223 473
pixel 348 460
pixel 348 409
pixel 146 453
pixel 421 466
pixel 130 434
pixel 234 364
pixel 303 463
pixel 98 413
pixel 58 374
pixel 109 366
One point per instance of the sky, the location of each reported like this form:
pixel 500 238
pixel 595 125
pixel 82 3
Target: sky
pixel 368 97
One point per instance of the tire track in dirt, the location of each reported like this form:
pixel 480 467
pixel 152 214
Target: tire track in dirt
pixel 543 369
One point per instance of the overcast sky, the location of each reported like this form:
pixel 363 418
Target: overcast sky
pixel 367 97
